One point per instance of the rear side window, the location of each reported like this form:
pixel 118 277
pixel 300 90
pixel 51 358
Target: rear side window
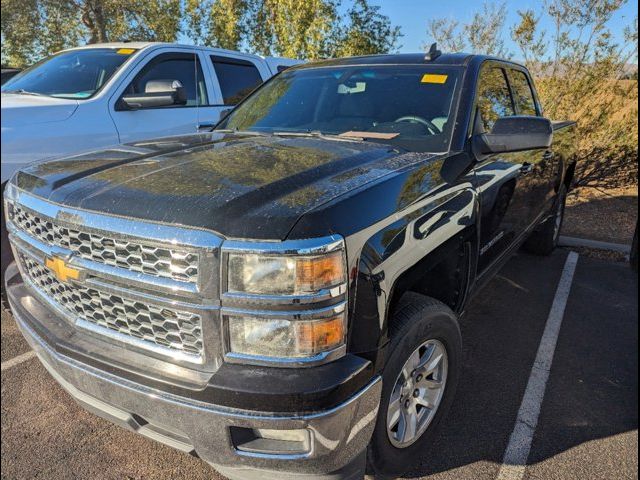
pixel 184 67
pixel 494 97
pixel 237 78
pixel 523 94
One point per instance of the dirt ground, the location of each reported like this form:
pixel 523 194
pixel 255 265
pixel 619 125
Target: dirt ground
pixel 608 215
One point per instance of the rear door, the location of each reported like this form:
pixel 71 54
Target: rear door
pixel 505 180
pixel 545 165
pixel 233 78
pixel 184 66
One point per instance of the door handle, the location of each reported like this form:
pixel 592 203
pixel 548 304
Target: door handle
pixel 526 168
pixel 206 126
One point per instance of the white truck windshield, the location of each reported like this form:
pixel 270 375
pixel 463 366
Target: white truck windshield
pixel 74 74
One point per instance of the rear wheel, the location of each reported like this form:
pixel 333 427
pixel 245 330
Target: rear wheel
pixel 544 239
pixel 419 382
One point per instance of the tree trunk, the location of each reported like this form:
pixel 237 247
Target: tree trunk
pixel 93 18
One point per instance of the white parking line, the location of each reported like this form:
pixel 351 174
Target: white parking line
pixel 515 457
pixel 18 360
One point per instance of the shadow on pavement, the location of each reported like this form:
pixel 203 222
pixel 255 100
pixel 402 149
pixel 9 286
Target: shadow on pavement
pixel 592 391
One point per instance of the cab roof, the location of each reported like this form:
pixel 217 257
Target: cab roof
pixel 276 61
pixel 136 45
pixel 459 59
pixel 445 59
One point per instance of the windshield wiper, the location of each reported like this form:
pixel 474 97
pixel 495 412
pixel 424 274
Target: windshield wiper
pixel 316 134
pixel 239 132
pixel 22 91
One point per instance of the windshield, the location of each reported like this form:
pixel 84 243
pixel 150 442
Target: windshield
pixel 409 106
pixel 75 74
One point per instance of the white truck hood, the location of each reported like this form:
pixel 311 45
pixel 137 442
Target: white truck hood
pixel 20 109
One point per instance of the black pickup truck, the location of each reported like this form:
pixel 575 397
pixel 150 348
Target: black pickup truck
pixel 281 296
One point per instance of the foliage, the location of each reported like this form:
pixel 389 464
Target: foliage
pixel 580 72
pixel 483 34
pixel 291 28
pixel 367 32
pixel 307 30
pixel 33 29
pixel 218 23
pixel 311 29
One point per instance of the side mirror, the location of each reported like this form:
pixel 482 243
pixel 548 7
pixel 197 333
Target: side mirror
pixel 514 134
pixel 157 93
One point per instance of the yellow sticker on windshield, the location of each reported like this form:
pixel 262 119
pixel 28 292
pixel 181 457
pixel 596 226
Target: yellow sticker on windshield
pixel 434 78
pixel 125 51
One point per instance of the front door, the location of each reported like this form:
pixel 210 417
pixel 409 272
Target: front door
pixel 147 123
pixel 506 181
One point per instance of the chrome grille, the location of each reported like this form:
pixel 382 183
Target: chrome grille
pixel 169 328
pixel 135 256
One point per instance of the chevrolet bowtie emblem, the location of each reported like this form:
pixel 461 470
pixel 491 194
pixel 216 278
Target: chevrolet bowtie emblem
pixel 61 270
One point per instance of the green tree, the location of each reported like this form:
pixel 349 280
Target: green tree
pixel 366 32
pixel 33 29
pixel 581 70
pixel 581 73
pixel 217 23
pixel 483 34
pixel 307 30
pixel 291 28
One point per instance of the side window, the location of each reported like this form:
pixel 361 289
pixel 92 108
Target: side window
pixel 494 97
pixel 523 94
pixel 184 67
pixel 237 78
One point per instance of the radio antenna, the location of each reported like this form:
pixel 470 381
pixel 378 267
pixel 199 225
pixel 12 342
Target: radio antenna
pixel 433 53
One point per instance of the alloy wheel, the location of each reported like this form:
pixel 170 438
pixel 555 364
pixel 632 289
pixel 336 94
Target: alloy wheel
pixel 417 393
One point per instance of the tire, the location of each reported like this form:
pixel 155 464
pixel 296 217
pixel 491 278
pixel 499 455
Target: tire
pixel 418 319
pixel 544 239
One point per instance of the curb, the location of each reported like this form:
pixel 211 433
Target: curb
pixel 583 242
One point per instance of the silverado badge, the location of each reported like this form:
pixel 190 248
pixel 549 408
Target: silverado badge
pixel 61 270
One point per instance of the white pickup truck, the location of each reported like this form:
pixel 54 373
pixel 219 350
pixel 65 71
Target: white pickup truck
pixel 104 94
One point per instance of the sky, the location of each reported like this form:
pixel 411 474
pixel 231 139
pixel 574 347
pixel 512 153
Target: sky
pixel 412 16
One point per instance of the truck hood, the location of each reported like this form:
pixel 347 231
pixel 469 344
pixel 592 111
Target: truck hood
pixel 19 109
pixel 239 185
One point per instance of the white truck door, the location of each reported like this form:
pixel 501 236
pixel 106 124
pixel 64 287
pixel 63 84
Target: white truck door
pixel 232 78
pixel 145 123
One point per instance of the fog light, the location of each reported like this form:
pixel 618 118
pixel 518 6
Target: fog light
pixel 263 441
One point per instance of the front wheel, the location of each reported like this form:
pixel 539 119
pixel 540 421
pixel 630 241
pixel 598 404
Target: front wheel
pixel 419 382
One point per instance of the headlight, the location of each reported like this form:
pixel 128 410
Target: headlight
pixel 281 338
pixel 285 303
pixel 285 275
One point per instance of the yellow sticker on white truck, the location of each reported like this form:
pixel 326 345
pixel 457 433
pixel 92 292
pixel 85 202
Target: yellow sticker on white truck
pixel 434 78
pixel 125 51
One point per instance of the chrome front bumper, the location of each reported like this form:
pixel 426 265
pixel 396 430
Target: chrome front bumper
pixel 338 437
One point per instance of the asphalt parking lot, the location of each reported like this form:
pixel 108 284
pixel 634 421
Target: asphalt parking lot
pixel 587 427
